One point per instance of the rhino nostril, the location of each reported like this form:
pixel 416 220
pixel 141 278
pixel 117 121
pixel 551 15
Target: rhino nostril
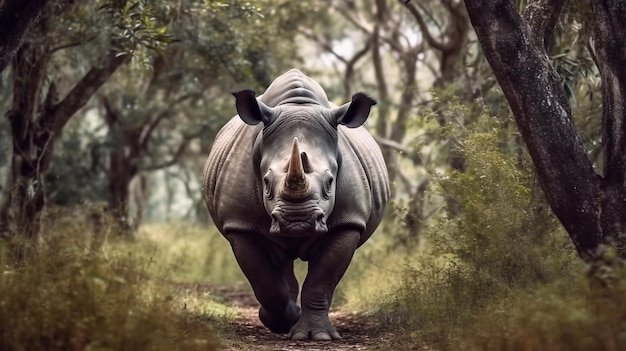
pixel 275 226
pixel 320 223
pixel 274 216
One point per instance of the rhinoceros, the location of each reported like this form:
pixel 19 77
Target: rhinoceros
pixel 294 176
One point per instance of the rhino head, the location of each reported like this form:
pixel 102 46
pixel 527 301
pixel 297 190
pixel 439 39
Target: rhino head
pixel 297 158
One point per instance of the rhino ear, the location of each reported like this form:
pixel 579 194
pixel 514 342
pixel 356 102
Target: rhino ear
pixel 354 114
pixel 250 110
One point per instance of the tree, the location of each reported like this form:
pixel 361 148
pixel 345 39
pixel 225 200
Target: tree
pixel 162 116
pixel 17 17
pixel 590 206
pixel 154 117
pixel 385 29
pixel 400 42
pixel 38 114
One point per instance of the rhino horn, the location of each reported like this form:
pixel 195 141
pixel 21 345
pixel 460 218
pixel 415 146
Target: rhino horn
pixel 296 185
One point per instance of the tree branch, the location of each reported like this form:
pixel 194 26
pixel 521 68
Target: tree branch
pixel 85 88
pixel 349 72
pixel 151 125
pixel 407 96
pixel 369 29
pixel 359 23
pixel 155 120
pixel 71 44
pixel 177 155
pixel 423 27
pixel 541 16
pixel 609 33
pixel 391 144
pixel 321 42
pixel 111 115
pixel 379 71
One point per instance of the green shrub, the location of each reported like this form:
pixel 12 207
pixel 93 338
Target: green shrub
pixel 558 317
pixel 68 294
pixel 503 244
pixel 501 274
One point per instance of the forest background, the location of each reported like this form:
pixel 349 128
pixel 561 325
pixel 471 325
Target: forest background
pixel 111 108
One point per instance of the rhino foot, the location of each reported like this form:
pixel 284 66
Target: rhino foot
pixel 317 329
pixel 280 322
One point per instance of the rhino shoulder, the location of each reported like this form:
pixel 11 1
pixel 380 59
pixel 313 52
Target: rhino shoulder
pixel 365 182
pixel 370 157
pixel 228 174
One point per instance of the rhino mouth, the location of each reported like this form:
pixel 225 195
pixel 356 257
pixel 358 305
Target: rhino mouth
pixel 301 218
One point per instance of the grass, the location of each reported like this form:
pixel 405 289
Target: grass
pixel 502 275
pixel 191 253
pixel 554 317
pixel 69 294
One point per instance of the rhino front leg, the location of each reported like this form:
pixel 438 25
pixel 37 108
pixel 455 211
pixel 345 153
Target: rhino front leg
pixel 272 280
pixel 325 270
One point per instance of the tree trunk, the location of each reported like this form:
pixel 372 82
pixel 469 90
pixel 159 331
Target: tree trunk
pixel 120 176
pixel 24 193
pixel 129 145
pixel 17 17
pixel 590 207
pixel 36 126
pixel 123 163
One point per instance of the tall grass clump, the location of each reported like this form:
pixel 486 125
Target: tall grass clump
pixel 193 253
pixel 74 291
pixel 488 259
pixel 554 317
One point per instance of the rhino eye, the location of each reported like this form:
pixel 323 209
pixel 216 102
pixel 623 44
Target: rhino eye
pixel 328 185
pixel 267 182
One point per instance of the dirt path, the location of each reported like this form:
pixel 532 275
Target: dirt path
pixel 357 332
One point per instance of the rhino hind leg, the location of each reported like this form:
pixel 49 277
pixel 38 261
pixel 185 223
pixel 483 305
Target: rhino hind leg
pixel 325 271
pixel 272 280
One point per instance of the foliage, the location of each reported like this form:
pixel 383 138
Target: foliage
pixel 502 275
pixel 38 114
pixel 167 107
pixel 504 227
pixel 137 27
pixel 502 244
pixel 554 317
pixel 84 289
pixel 76 176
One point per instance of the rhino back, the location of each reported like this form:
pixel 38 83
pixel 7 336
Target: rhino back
pixel 232 192
pixel 363 184
pixel 293 87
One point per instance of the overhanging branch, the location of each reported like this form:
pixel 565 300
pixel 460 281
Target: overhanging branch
pixel 182 147
pixel 423 27
pixel 392 144
pixel 85 88
pixel 71 44
pixel 321 41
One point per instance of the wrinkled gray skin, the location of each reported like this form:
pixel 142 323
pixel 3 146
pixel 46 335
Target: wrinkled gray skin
pixel 294 176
